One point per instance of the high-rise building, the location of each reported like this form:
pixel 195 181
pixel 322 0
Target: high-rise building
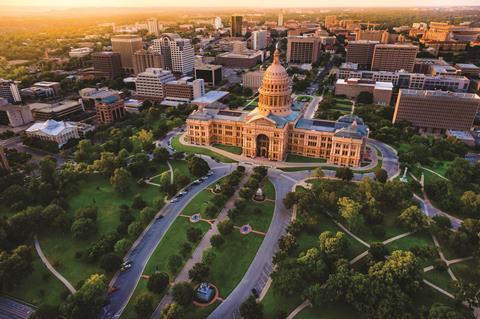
pixel 236 25
pixel 185 89
pixel 436 111
pixel 166 44
pixel 381 36
pixel 280 19
pixel 259 39
pixel 211 73
pixel 217 24
pixel 330 21
pixel 108 63
pixel 361 53
pixel 253 80
pixel 182 55
pixel 109 109
pixel 150 84
pixel 127 45
pixel 303 49
pixel 9 91
pixel 153 27
pixel 144 59
pixel 394 57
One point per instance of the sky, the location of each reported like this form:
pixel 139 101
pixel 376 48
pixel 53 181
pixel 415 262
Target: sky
pixel 241 3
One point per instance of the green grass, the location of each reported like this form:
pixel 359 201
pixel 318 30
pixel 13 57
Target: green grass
pixel 274 303
pixel 60 248
pixel 199 203
pixel 199 150
pixel 440 279
pixel 296 169
pixel 389 225
pixel 180 166
pixel 268 189
pixel 229 148
pixel 40 287
pixel 463 270
pixel 330 311
pixel 303 159
pixel 168 246
pixel 259 222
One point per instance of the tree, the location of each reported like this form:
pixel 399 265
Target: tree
pixel 90 212
pixel 88 300
pixel 194 234
pixel 110 262
pixel 183 293
pixel 46 312
pixel 172 311
pixel 378 251
pixel 146 215
pixel 47 170
pixel 161 154
pixel 174 263
pixel 381 175
pixel 251 309
pixel 122 246
pixel 344 173
pixel 334 246
pixel 287 242
pixel 197 166
pixel 199 272
pixel 365 98
pixel 468 292
pixel 144 305
pixel 120 180
pixel 15 266
pixel 158 282
pixel 106 164
pixel 135 229
pixel 217 240
pixel 441 311
pixel 318 172
pixel 350 211
pixel 225 227
pixel 290 199
pixel 460 172
pixel 83 228
pixel 413 218
pixel 138 202
pixel 471 204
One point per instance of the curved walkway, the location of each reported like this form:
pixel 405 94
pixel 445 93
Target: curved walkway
pixel 297 310
pixel 49 266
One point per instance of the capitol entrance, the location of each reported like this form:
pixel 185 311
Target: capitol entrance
pixel 262 145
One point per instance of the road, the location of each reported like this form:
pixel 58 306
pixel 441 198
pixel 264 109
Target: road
pixel 145 245
pixel 16 143
pixel 261 267
pixel 389 157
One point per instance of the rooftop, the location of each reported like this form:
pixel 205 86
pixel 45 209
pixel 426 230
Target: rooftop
pixel 210 97
pixel 438 93
pixel 50 127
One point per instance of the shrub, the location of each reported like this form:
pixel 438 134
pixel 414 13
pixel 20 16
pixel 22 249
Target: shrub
pixel 183 293
pixel 217 241
pixel 158 282
pixel 225 227
pixel 194 234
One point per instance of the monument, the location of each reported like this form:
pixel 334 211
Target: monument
pixel 205 292
pixel 259 195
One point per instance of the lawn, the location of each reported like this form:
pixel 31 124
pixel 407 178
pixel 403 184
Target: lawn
pixel 330 311
pixel 463 270
pixel 60 248
pixel 296 169
pixel 268 189
pixel 303 159
pixel 440 278
pixel 199 150
pixel 229 148
pixel 199 203
pixel 274 304
pixel 40 287
pixel 260 221
pixel 168 246
pixel 180 166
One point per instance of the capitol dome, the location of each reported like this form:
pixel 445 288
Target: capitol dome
pixel 274 97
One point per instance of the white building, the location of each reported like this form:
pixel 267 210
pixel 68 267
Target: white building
pixel 9 90
pixel 150 84
pixel 217 24
pixel 14 115
pixel 259 40
pixel 253 79
pixel 153 27
pixel 80 52
pixel 280 19
pixel 182 55
pixel 56 131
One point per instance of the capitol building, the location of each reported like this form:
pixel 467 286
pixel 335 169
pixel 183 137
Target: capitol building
pixel 277 127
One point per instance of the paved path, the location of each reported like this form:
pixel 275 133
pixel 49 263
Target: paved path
pixel 49 266
pixel 201 247
pixel 147 242
pixel 297 310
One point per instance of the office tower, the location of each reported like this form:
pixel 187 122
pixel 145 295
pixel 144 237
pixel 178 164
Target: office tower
pixel 259 39
pixel 361 53
pixel 109 109
pixel 150 84
pixel 152 25
pixel 394 57
pixel 280 18
pixel 436 111
pixel 185 89
pixel 218 23
pixel 162 45
pixel 236 25
pixel 182 55
pixel 303 49
pixel 381 36
pixel 108 63
pixel 9 91
pixel 211 73
pixel 330 21
pixel 144 59
pixel 127 45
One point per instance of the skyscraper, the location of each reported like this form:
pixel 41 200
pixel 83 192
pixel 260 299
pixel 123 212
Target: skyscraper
pixel 218 23
pixel 182 55
pixel 162 45
pixel 236 26
pixel 9 91
pixel 108 63
pixel 394 57
pixel 303 49
pixel 144 59
pixel 150 84
pixel 280 18
pixel 361 52
pixel 127 45
pixel 259 39
pixel 152 25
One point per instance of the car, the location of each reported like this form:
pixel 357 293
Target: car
pixel 159 217
pixel 112 290
pixel 182 193
pixel 174 200
pixel 196 182
pixel 187 188
pixel 203 178
pixel 210 173
pixel 179 195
